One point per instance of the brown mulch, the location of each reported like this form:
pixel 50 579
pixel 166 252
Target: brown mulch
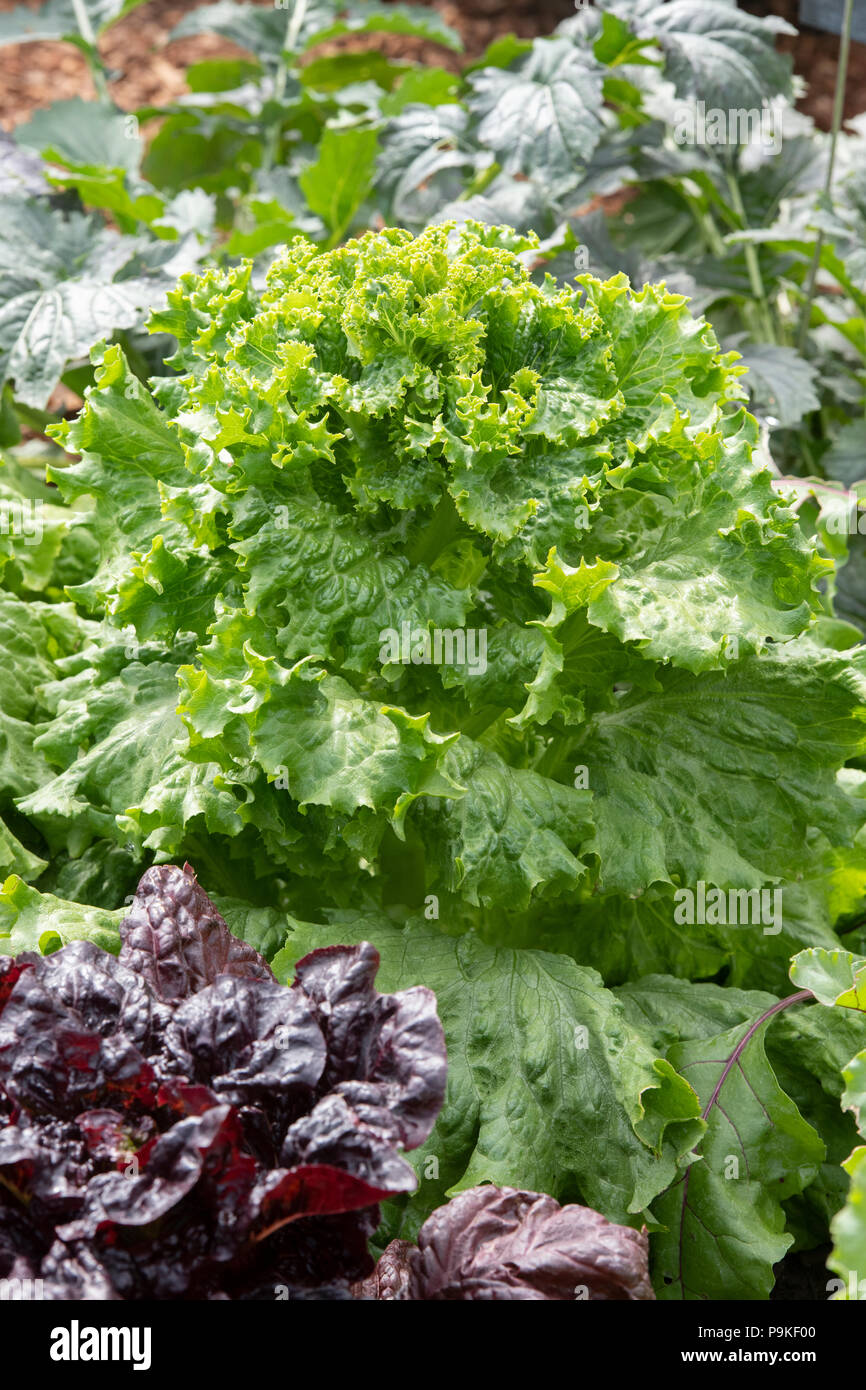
pixel 150 70
pixel 815 57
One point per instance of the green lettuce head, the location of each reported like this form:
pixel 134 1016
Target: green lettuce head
pixel 482 606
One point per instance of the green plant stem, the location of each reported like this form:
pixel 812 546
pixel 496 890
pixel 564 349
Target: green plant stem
pixel 707 226
pixel 86 30
pixel 293 29
pixel 753 264
pixel 838 109
pixel 480 182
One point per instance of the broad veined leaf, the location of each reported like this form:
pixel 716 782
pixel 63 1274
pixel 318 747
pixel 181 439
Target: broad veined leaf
pixel 724 1219
pixel 67 281
pixel 111 736
pixel 95 149
pixel 337 591
pixel 86 133
pixel 547 1080
pixel 714 50
pixel 542 114
pixel 426 156
pixel 512 835
pixel 718 776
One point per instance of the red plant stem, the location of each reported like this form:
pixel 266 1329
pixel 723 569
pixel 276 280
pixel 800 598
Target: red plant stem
pixel 798 998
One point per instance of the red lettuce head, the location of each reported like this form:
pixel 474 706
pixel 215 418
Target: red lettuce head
pixel 175 1124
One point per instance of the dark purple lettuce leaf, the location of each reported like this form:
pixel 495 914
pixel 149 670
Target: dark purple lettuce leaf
pixel 385 1051
pixel 175 1124
pixel 174 938
pixel 496 1243
pixel 391 1279
pixel 75 1272
pixel 336 1134
pixel 48 1162
pixel 11 968
pixel 113 1139
pixel 252 1041
pixel 199 1149
pixel 75 1032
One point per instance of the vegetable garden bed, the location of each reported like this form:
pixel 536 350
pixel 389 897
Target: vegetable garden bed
pixel 433 732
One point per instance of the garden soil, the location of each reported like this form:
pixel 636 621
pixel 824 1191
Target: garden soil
pixel 150 68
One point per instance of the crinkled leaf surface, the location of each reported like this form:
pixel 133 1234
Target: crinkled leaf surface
pixel 546 1079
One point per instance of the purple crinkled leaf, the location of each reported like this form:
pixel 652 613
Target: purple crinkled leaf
pixel 75 1032
pixel 385 1051
pixel 175 1124
pixel 497 1243
pixel 175 939
pixel 252 1041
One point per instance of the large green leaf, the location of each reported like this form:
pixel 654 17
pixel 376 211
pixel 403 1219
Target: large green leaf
pixel 724 1218
pixel 541 116
pixel 717 777
pixel 66 281
pixel 714 50
pixel 337 183
pixel 549 1087
pixel 126 450
pixel 109 743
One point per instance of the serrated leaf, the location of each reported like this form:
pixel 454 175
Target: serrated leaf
pixel 549 1087
pixel 34 921
pixel 718 776
pixel 126 448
